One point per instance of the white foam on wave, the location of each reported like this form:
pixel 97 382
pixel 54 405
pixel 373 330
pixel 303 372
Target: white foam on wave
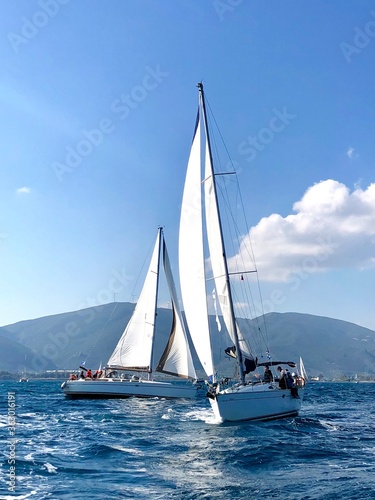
pixel 50 468
pixel 168 415
pixel 33 493
pixel 329 426
pixel 132 451
pixel 202 415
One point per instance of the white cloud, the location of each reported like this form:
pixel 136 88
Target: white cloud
pixel 333 228
pixel 350 153
pixel 24 190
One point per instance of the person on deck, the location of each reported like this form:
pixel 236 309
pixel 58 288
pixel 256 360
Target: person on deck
pixel 89 374
pixel 267 377
pixel 282 379
pixel 98 374
pixel 291 384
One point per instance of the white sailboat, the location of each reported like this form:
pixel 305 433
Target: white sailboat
pixel 201 224
pixel 302 370
pixel 135 349
pixel 23 376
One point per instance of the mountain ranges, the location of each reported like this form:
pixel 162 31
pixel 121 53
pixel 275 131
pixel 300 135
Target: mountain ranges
pixel 328 347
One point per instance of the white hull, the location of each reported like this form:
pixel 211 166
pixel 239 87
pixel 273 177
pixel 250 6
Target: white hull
pixel 255 402
pixel 117 388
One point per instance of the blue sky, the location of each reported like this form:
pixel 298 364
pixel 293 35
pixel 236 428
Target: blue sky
pixel 98 102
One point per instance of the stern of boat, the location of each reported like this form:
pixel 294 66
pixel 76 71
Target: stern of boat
pixel 255 402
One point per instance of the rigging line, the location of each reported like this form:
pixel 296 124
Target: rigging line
pixel 234 231
pixel 230 274
pixel 249 249
pixel 231 208
pixel 223 188
pixel 220 135
pixel 232 164
pixel 256 342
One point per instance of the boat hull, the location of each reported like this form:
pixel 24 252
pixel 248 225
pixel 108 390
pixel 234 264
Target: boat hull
pixel 118 388
pixel 255 402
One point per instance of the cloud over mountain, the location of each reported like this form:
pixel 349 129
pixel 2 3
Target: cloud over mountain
pixel 332 228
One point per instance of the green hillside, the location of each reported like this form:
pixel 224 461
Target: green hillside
pixel 327 346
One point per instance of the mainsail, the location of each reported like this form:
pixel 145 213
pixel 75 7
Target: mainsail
pixel 191 257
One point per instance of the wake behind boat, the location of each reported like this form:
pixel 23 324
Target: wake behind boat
pixel 135 349
pixel 203 266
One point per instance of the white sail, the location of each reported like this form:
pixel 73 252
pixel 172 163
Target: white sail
pixel 191 258
pixel 176 359
pixel 134 349
pixel 302 370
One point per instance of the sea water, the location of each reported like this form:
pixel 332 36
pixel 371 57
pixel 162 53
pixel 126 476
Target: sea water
pixel 56 448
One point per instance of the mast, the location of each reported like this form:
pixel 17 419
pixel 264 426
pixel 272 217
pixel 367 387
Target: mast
pixel 160 235
pixel 230 299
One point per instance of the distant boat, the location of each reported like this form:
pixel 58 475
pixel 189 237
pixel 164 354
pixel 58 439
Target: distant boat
pixel 203 263
pixel 302 370
pixel 135 349
pixel 23 377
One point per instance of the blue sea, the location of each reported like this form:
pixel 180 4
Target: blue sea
pixel 164 449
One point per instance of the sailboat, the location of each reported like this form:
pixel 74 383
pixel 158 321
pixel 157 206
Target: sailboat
pixel 205 264
pixel 134 351
pixel 302 370
pixel 23 376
